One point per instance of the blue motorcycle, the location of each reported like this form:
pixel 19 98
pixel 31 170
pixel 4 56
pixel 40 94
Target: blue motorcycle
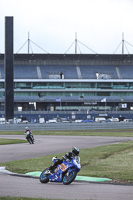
pixel 65 172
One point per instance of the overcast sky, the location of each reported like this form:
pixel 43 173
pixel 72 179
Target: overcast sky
pixel 52 25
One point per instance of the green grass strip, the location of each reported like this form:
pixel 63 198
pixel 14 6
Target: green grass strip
pixel 11 141
pixel 103 132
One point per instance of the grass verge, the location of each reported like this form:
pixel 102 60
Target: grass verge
pixel 111 161
pixel 11 141
pixel 103 132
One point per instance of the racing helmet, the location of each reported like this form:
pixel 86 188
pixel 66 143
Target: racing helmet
pixel 26 128
pixel 75 151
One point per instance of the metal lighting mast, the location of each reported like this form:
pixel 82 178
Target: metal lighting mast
pixel 122 43
pixel 75 43
pixel 28 43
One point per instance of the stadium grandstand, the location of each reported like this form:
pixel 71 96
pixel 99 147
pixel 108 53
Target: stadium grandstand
pixel 72 86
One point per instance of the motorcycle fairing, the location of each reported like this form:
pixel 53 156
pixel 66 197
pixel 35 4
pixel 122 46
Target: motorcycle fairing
pixel 62 168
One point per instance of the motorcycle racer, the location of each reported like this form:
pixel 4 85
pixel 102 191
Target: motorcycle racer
pixel 28 133
pixel 68 157
pixel 65 172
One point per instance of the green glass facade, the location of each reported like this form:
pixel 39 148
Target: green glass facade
pixel 71 89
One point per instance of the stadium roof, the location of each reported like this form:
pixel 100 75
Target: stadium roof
pixel 108 57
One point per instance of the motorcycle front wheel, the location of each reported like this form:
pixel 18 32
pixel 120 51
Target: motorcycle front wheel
pixel 69 177
pixel 44 177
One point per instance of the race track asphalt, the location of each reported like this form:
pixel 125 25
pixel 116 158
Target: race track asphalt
pixel 29 187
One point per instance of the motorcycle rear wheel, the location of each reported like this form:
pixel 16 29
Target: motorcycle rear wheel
pixel 44 178
pixel 69 178
pixel 30 140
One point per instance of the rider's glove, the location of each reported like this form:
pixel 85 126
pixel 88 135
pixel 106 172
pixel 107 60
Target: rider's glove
pixel 64 157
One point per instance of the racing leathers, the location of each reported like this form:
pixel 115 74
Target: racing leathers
pixel 28 133
pixel 68 157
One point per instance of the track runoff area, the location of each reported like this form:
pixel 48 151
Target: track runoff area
pixel 36 174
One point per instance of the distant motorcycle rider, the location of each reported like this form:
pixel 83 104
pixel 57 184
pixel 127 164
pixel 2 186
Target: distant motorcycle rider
pixel 68 157
pixel 28 133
